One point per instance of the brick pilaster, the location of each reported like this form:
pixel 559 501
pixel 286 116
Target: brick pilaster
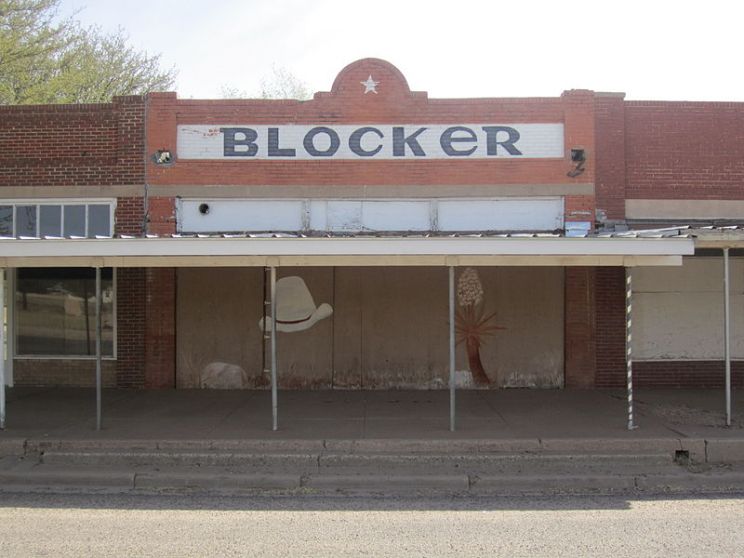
pixel 160 328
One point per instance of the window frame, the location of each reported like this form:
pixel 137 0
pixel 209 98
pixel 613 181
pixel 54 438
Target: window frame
pixel 14 343
pixel 12 275
pixel 16 202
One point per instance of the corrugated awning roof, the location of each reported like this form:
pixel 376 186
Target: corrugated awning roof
pixel 709 236
pixel 682 231
pixel 646 233
pixel 288 249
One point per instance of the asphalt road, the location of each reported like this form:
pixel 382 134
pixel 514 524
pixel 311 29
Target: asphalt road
pixel 104 525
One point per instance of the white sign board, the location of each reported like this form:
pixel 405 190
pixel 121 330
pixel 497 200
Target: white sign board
pixel 369 215
pixel 246 142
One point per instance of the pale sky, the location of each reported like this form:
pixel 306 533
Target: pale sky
pixel 652 49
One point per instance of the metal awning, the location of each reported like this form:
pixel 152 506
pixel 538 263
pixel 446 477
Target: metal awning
pixel 649 248
pixel 718 237
pixel 284 250
pixel 709 236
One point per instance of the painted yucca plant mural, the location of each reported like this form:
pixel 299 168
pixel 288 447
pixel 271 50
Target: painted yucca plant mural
pixel 472 324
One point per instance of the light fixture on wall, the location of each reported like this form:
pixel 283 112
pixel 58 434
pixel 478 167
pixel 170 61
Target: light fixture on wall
pixel 163 157
pixel 203 208
pixel 578 156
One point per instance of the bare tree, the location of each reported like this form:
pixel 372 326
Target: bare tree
pixel 280 84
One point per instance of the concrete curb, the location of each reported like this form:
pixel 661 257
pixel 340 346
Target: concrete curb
pixel 388 483
pixel 693 482
pixel 91 481
pixel 12 446
pixel 724 450
pixel 475 445
pixel 525 484
pixel 696 447
pixel 362 446
pixel 215 481
pixel 616 445
pixel 266 461
pixel 67 478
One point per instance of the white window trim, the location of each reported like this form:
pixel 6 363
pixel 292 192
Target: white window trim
pixel 12 273
pixel 15 202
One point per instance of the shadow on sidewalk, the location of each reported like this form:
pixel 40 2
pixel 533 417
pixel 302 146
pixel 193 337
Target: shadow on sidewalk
pixel 497 414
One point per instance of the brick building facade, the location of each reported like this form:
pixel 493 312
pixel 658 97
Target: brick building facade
pixel 621 164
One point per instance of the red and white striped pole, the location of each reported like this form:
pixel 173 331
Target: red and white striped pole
pixel 629 342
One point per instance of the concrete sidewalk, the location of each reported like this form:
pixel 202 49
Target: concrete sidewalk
pixel 420 415
pixel 528 440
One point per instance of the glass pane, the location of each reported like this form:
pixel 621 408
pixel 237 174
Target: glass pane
pixel 50 220
pixel 74 220
pixel 6 220
pixel 99 220
pixel 56 312
pixel 25 220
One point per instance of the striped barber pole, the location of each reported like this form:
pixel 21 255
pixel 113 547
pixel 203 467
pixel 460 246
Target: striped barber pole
pixel 629 342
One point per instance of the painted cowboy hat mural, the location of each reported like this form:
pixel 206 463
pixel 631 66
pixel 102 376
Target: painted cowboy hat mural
pixel 296 310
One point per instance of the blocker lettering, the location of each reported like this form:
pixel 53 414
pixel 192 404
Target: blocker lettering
pixel 344 141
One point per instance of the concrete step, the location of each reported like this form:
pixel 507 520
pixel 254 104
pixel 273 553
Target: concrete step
pixel 496 463
pixel 115 458
pixel 220 481
pixel 415 457
pixel 367 445
pixel 420 463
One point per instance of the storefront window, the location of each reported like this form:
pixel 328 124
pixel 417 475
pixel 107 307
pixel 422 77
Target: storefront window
pixel 26 220
pixel 56 219
pixel 56 312
pixel 99 220
pixel 74 220
pixel 6 220
pixel 50 223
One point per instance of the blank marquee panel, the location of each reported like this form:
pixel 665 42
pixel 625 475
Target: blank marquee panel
pixel 351 216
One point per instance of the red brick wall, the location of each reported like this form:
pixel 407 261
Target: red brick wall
pixel 394 103
pixel 579 208
pixel 129 216
pixel 610 346
pixel 160 328
pixel 65 372
pixel 130 324
pixel 73 145
pixel 146 325
pixel 161 215
pixel 578 117
pixel 611 370
pixel 610 157
pixel 343 105
pixel 686 374
pixel 130 301
pixel 659 150
pixel 87 145
pixel 610 320
pixel 667 150
pixel 682 150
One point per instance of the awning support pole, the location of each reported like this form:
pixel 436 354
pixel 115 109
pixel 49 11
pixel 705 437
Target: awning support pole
pixel 727 332
pixel 274 395
pixel 98 348
pixel 2 349
pixel 629 342
pixel 452 345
